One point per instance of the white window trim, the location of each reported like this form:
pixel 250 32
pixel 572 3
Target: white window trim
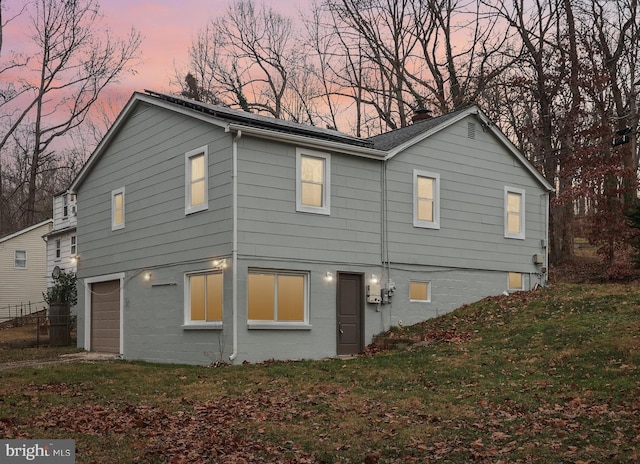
pixel 188 323
pixel 74 245
pixel 428 300
pixel 326 196
pixel 301 325
pixel 435 224
pixel 515 289
pixel 188 209
pixel 65 206
pixel 115 226
pixel 15 259
pixel 521 192
pixel 58 247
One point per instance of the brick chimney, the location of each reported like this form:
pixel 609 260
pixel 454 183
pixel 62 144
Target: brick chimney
pixel 421 114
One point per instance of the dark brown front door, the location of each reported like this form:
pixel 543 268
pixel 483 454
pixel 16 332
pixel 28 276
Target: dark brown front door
pixel 350 296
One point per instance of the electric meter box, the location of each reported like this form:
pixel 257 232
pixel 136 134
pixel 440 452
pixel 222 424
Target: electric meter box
pixel 374 294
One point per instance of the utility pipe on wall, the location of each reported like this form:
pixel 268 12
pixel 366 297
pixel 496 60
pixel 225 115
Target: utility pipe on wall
pixel 234 246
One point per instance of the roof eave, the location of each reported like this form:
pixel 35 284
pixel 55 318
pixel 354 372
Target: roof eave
pixel 476 111
pixel 310 141
pixel 25 230
pixel 428 133
pixel 136 98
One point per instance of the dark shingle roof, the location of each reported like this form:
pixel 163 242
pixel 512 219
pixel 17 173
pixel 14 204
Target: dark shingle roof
pixel 279 125
pixel 395 138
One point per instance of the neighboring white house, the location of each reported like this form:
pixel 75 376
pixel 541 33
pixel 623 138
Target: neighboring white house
pixel 213 234
pixel 62 242
pixel 23 270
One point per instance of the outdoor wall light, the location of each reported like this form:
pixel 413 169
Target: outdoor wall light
pixel 373 279
pixel 74 260
pixel 328 276
pixel 147 276
pixel 219 263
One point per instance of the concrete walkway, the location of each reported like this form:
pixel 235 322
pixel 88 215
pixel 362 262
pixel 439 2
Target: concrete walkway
pixel 83 356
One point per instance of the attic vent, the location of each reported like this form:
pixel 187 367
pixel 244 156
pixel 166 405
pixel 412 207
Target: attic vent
pixel 471 130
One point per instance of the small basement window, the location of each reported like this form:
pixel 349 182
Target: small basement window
pixel 420 291
pixel 515 281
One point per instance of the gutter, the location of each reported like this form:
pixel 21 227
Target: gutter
pixel 234 246
pixel 310 142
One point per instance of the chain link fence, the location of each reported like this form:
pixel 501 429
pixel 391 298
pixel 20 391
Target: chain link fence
pixel 38 329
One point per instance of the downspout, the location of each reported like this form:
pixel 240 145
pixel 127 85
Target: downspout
pixel 546 239
pixel 234 246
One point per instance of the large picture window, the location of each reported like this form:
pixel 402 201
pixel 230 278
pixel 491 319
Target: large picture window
pixel 277 297
pixel 426 199
pixel 514 213
pixel 313 181
pixel 204 298
pixel 196 180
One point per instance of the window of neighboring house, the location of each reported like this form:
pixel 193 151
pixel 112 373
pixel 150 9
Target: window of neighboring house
pixel 277 297
pixel 514 213
pixel 20 259
pixel 73 245
pixel 204 298
pixel 57 248
pixel 426 199
pixel 313 182
pixel 420 291
pixel 196 180
pixel 515 281
pixel 65 205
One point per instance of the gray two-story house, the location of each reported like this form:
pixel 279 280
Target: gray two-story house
pixel 210 234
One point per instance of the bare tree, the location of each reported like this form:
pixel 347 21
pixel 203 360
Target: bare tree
pixel 464 47
pixel 250 59
pixel 76 59
pixel 393 57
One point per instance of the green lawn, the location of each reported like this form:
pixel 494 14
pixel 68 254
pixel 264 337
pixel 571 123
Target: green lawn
pixel 545 376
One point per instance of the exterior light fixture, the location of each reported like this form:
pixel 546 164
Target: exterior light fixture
pixel 373 279
pixel 328 276
pixel 219 263
pixel 74 260
pixel 147 276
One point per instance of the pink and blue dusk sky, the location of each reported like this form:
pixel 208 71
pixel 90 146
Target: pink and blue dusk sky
pixel 167 28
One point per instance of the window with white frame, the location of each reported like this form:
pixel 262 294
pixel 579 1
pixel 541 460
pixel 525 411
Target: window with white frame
pixel 313 182
pixel 515 281
pixel 58 251
pixel 65 205
pixel 196 180
pixel 426 199
pixel 20 259
pixel 514 213
pixel 420 291
pixel 277 297
pixel 204 298
pixel 117 209
pixel 74 248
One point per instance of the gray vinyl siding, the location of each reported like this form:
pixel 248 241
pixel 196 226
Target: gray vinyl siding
pixel 270 227
pixel 465 260
pixel 473 174
pixel 147 158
